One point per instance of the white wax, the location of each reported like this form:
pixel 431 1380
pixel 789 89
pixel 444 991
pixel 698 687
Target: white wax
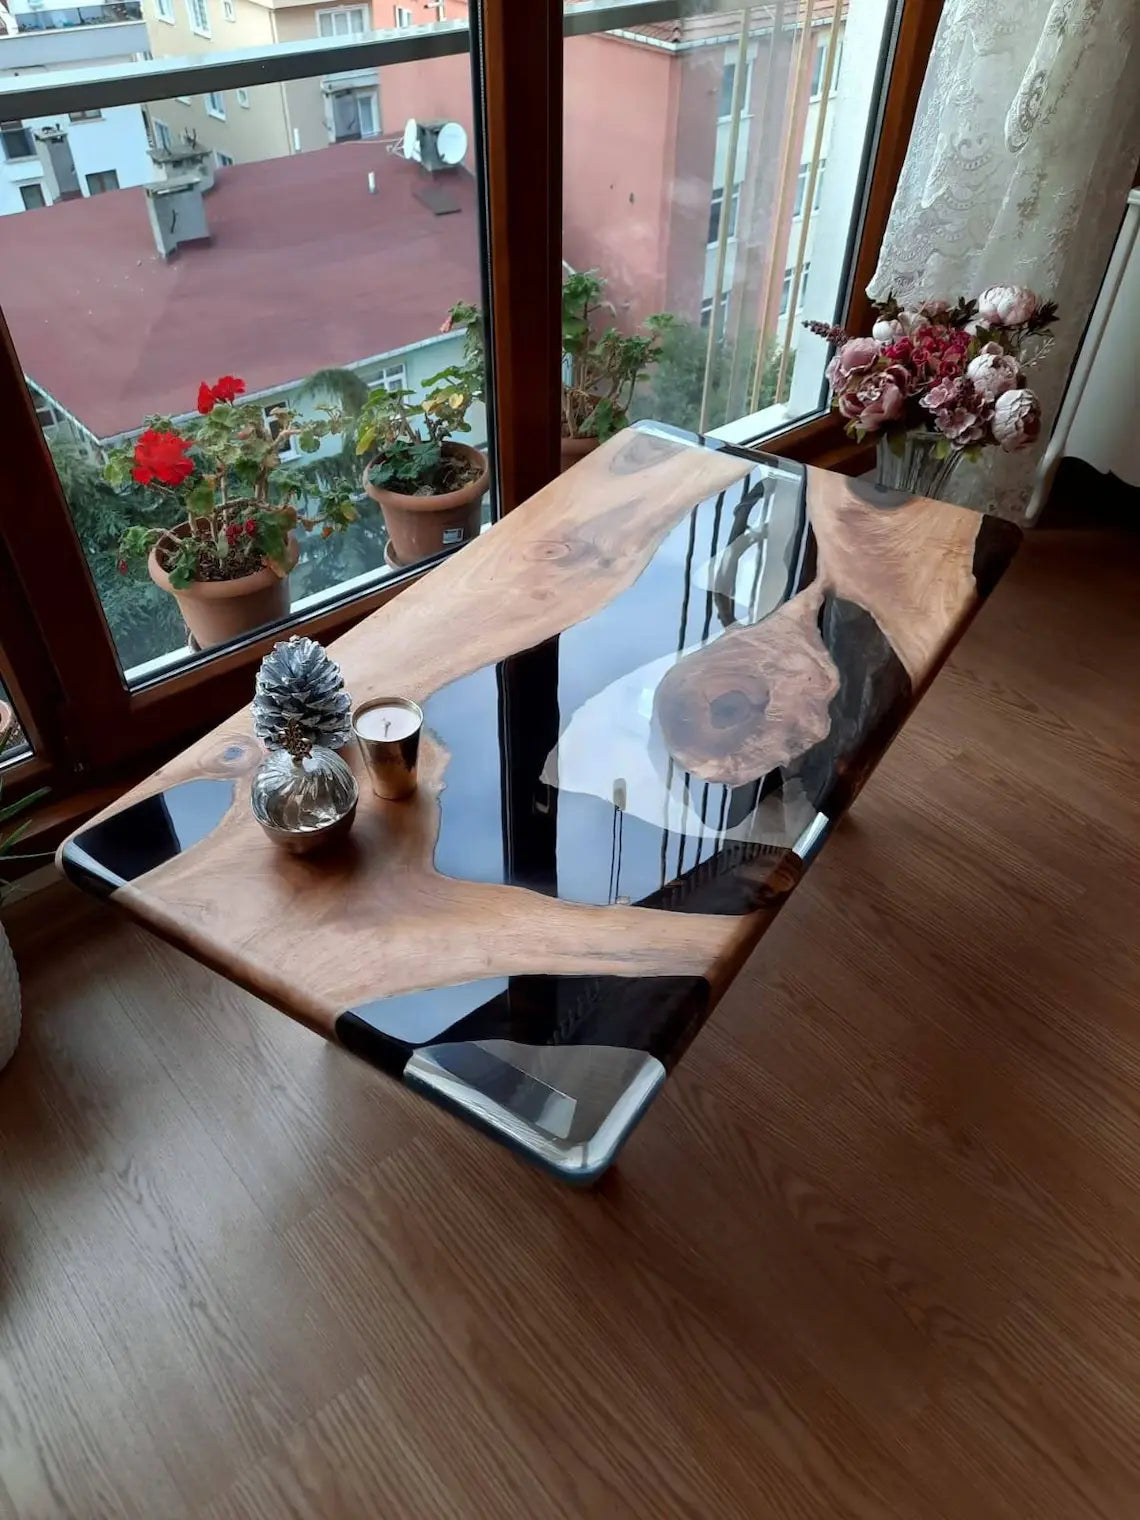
pixel 387 722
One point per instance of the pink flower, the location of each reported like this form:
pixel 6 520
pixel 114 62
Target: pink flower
pixel 874 400
pixel 942 395
pixel 994 371
pixel 959 425
pixel 1016 420
pixel 856 355
pixel 1006 306
pixel 935 309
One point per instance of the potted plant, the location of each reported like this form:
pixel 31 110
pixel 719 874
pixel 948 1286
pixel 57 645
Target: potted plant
pixel 938 383
pixel 600 373
pixel 9 975
pixel 227 559
pixel 428 487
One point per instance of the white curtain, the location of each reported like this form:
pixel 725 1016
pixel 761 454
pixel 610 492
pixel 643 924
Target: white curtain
pixel 1025 143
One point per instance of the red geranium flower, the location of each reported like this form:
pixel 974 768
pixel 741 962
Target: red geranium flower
pixel 228 388
pixel 162 457
pixel 250 527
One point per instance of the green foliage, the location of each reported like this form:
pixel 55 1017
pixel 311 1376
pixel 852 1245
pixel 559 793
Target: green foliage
pixel 405 465
pixel 407 436
pixel 677 383
pixel 602 372
pixel 144 622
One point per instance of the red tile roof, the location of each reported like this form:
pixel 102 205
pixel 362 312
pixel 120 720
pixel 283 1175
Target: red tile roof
pixel 305 269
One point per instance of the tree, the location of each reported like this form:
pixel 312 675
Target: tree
pixel 143 620
pixel 674 396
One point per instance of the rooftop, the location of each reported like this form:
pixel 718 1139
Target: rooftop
pixel 305 270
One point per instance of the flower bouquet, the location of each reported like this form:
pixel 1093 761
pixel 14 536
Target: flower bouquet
pixel 939 382
pixel 239 501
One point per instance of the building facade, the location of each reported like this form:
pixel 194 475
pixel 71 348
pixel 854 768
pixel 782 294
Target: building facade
pixel 266 121
pixel 46 158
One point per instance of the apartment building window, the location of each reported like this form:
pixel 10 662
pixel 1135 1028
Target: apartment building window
pixel 102 180
pixel 164 10
pixel 716 206
pixel 394 377
pixel 223 160
pixel 355 114
pixel 786 289
pixel 242 98
pixel 84 115
pixel 16 140
pixel 344 22
pixel 728 85
pixel 229 10
pixel 401 15
pixel 163 137
pixel 819 66
pixel 199 17
pixel 706 312
pixel 215 103
pixel 801 187
pixel 273 423
pixel 32 197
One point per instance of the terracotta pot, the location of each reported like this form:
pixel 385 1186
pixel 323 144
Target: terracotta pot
pixel 216 611
pixel 573 449
pixel 420 526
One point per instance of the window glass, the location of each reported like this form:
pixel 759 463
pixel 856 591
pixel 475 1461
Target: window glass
pixel 32 196
pixel 199 16
pixel 323 281
pixel 16 140
pixel 102 180
pixel 654 137
pixel 13 744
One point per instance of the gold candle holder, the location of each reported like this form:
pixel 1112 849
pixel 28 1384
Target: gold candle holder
pixel 388 732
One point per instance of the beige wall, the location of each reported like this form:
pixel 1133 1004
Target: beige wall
pixel 263 128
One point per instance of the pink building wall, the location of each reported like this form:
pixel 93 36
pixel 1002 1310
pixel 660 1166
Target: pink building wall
pixel 433 89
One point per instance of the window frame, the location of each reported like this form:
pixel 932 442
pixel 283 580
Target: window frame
pixel 9 129
pixel 199 28
pixel 218 112
pixel 229 11
pixel 404 12
pixel 56 656
pixel 164 11
pixel 38 187
pixel 242 97
pixel 99 174
pixel 333 11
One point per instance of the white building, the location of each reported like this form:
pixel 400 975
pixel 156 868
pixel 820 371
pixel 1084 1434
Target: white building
pixel 85 153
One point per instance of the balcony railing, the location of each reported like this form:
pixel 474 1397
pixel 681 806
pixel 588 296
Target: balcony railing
pixel 77 15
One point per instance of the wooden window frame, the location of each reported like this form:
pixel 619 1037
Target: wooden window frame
pixel 88 730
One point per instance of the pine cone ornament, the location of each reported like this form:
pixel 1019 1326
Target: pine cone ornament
pixel 300 702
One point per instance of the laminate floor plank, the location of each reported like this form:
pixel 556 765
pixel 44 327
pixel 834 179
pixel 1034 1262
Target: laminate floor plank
pixel 873 1255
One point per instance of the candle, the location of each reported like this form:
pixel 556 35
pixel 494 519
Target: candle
pixel 386 721
pixel 388 733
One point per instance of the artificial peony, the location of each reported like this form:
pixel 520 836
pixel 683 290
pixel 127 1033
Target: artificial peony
pixel 874 400
pixel 856 355
pixel 994 371
pixel 1006 306
pixel 1017 419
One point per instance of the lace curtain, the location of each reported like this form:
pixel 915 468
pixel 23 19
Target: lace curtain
pixel 1025 143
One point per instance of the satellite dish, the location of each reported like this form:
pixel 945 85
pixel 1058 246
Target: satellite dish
pixel 412 139
pixel 451 143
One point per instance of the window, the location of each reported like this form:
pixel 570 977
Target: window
pixel 728 84
pixel 273 423
pixel 346 22
pixel 819 67
pixel 16 140
pixel 32 197
pixel 223 160
pixel 355 114
pixel 393 378
pixel 85 115
pixel 102 180
pixel 650 252
pixel 786 289
pixel 215 103
pixel 184 100
pixel 715 207
pixel 229 10
pixel 242 98
pixel 801 187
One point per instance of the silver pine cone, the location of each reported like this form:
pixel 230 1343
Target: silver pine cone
pixel 300 702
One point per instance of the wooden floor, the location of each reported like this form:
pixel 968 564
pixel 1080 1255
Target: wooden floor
pixel 875 1253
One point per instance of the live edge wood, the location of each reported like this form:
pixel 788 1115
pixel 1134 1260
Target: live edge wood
pixel 840 663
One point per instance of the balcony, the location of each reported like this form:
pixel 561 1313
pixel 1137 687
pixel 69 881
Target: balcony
pixel 77 15
pixel 76 35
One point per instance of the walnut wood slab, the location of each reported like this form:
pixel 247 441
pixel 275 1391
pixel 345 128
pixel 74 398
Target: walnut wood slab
pixel 648 693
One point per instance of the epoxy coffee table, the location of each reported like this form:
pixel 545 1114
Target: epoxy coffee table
pixel 649 693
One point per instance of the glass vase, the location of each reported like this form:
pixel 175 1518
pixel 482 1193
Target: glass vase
pixel 305 801
pixel 913 465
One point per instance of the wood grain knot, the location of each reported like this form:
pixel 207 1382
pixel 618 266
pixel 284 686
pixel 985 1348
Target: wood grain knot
pixel 232 754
